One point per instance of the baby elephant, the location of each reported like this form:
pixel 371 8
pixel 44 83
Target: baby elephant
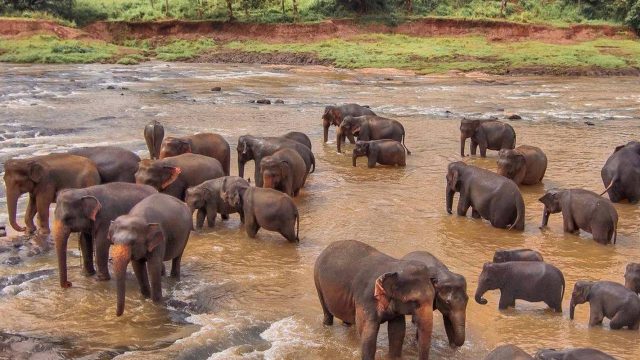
pixel 582 210
pixel 206 199
pixel 265 208
pixel 632 277
pixel 508 352
pixel 501 256
pixel 532 281
pixel 572 354
pixel 383 152
pixel 285 171
pixel 524 165
pixel 607 299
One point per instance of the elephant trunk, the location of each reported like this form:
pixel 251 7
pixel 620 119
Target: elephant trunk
pixel 545 217
pixel 479 299
pixel 241 167
pixel 457 338
pixel 121 255
pixel 424 324
pixel 572 309
pixel 12 203
pixel 450 194
pixel 61 236
pixel 325 128
pixel 463 139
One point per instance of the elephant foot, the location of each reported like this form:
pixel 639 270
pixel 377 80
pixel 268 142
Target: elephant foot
pixel 103 277
pixel 328 320
pixel 87 273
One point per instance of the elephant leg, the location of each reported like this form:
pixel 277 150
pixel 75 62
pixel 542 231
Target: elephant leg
pixel 473 147
pixel 175 267
pixel 212 213
pixel 448 327
pixel 86 248
pixel 102 255
pixel 371 162
pixel 201 214
pixel 154 267
pixel 619 320
pixel 350 137
pixel 256 174
pixel 29 214
pixel 602 235
pixel 396 329
pixel 569 225
pixel 251 226
pixel 506 300
pixel 328 316
pixel 555 304
pixel 368 331
pixel 595 315
pixel 483 149
pixel 463 204
pixel 140 269
pixel 42 207
pixel 289 231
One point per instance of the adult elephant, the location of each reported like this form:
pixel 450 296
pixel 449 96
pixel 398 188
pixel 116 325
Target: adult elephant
pixel 174 175
pixel 255 148
pixel 42 177
pixel 621 173
pixel 573 354
pixel 300 137
pixel 489 195
pixel 524 165
pixel 488 134
pixel 90 211
pixel 333 115
pixel 371 127
pixel 451 295
pixel 153 135
pixel 207 144
pixel 113 163
pixel 360 285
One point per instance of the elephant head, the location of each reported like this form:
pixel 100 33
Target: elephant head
pixel 21 176
pixel 409 292
pixel 75 212
pixel 153 134
pixel 233 193
pixel 551 201
pixel 511 164
pixel 245 152
pixel 173 147
pixel 468 128
pixel 361 149
pixel 349 126
pixel 196 197
pixel 580 295
pixel 331 116
pixel 156 174
pixel 490 279
pixel 132 238
pixel 453 182
pixel 275 172
pixel 632 277
pixel 451 300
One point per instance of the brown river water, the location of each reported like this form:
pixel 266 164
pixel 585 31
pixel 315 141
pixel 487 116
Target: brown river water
pixel 255 298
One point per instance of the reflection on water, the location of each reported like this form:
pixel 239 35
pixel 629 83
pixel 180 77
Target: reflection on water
pixel 254 298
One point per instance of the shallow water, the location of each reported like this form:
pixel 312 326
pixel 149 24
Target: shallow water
pixel 255 298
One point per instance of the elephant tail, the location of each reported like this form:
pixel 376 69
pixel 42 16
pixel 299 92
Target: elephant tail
pixel 313 163
pixel 297 226
pixel 405 146
pixel 519 223
pixel 615 232
pixel 613 181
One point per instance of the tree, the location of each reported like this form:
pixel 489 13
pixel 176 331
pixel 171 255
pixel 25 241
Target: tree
pixel 230 9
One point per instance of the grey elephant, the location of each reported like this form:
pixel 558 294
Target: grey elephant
pixel 524 165
pixel 284 171
pixel 384 152
pixel 207 144
pixel 155 230
pixel 489 195
pixel 205 198
pixel 153 135
pixel 333 115
pixel 508 352
pixel 582 210
pixel 451 295
pixel 371 127
pixel 516 255
pixel 632 277
pixel 621 173
pixel 113 163
pixel 266 208
pixel 607 299
pixel 487 134
pixel 573 354
pixel 531 281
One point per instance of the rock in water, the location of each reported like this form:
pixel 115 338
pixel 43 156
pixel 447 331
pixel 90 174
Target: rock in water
pixel 216 88
pixel 264 101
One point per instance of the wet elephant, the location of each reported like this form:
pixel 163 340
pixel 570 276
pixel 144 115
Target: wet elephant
pixel 155 230
pixel 207 200
pixel 572 354
pixel 516 255
pixel 621 173
pixel 300 137
pixel 451 295
pixel 207 144
pixel 508 352
pixel 371 127
pixel 153 135
pixel 489 195
pixel 113 163
pixel 333 115
pixel 524 165
pixel 384 152
pixel 632 277
pixel 487 134
pixel 90 211
pixel 531 281
pixel 42 177
pixel 582 210
pixel 360 285
pixel 255 148
pixel 283 171
pixel 175 174
pixel 607 299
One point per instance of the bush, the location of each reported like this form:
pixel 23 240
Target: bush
pixel 633 17
pixel 62 8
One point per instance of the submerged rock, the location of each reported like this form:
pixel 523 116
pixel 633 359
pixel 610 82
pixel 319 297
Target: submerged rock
pixel 513 117
pixel 279 101
pixel 12 260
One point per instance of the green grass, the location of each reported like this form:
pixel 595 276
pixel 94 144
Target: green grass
pixel 52 50
pixel 182 49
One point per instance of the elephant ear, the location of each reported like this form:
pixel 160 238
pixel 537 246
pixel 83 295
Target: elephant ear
pixel 337 115
pixel 173 175
pixel 91 206
pixel 185 147
pixel 618 148
pixel 112 229
pixel 155 236
pixel 383 289
pixel 547 199
pixel 455 177
pixel 36 172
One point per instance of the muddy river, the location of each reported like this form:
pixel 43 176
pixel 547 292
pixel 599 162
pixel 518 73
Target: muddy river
pixel 255 298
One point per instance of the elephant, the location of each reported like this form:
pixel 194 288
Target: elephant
pixel 155 230
pixel 607 299
pixel 450 295
pixel 524 165
pixel 207 144
pixel 621 173
pixel 582 210
pixel 489 195
pixel 267 208
pixel 114 164
pixel 371 127
pixel 531 281
pixel 573 354
pixel 501 256
pixel 255 148
pixel 284 171
pixel 333 115
pixel 207 200
pixel 488 134
pixel 300 137
pixel 153 135
pixel 42 177
pixel 632 277
pixel 90 211
pixel 363 286
pixel 175 174
pixel 384 152
pixel 508 352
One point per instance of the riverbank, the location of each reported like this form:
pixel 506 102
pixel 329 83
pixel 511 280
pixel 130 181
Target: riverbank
pixel 423 46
